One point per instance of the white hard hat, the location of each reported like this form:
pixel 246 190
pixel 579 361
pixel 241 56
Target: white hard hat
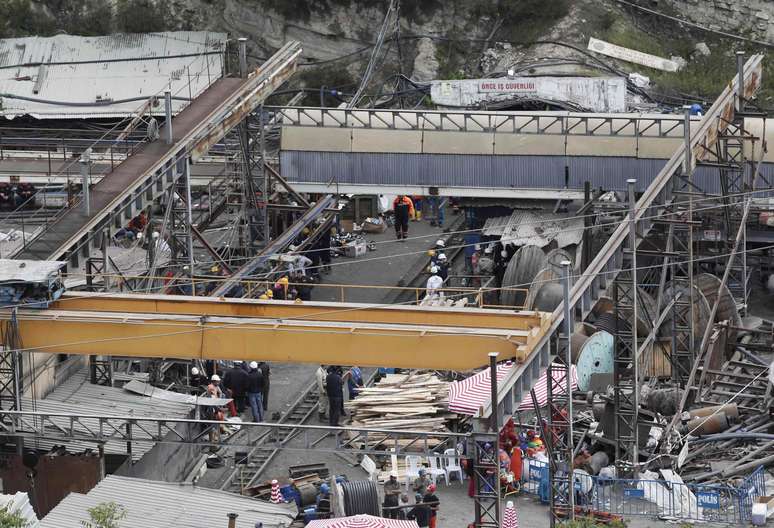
pixel 139 236
pixel 442 256
pixel 394 474
pixel 488 250
pixel 237 362
pixel 215 377
pixel 440 243
pixel 155 234
pixel 504 254
pixel 477 247
pixel 194 371
pixel 434 269
pixel 253 364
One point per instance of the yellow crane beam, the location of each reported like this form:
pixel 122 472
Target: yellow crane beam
pixel 163 326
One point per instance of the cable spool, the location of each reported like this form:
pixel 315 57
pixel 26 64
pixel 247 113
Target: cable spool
pixel 555 257
pixel 727 310
pixel 607 322
pixel 544 276
pixel 521 271
pixel 308 493
pixel 548 297
pixel 361 497
pixel 595 357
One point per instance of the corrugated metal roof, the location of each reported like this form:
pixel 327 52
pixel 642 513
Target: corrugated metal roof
pixel 168 505
pixel 29 270
pixel 78 396
pixel 537 228
pixel 19 503
pixel 116 67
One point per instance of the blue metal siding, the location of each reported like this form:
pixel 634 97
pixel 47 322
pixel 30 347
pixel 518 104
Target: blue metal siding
pixel 455 170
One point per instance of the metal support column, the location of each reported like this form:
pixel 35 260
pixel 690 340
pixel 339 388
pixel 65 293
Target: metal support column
pixel 85 162
pixel 168 117
pixel 10 365
pixel 559 428
pixel 626 353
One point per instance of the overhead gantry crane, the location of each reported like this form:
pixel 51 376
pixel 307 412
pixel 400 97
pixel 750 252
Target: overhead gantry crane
pixel 181 327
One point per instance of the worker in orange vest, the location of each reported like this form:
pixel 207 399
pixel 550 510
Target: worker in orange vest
pixel 403 208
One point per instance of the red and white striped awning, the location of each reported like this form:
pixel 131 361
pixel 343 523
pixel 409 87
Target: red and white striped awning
pixel 361 521
pixel 470 395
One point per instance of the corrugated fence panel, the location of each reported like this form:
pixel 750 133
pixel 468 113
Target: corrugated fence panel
pixel 451 170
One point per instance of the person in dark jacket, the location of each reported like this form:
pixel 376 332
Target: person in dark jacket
pixel 255 391
pixel 236 380
pixel 431 499
pixel 420 513
pixel 403 208
pixel 265 371
pixel 335 388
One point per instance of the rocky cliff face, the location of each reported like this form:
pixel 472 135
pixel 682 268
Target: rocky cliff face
pixel 440 39
pixel 329 30
pixel 753 18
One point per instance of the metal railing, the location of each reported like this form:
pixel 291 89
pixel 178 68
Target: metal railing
pixel 658 498
pixel 66 427
pixel 200 286
pixel 555 123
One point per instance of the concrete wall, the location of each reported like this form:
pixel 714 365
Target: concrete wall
pixel 596 94
pixel 167 462
pixel 43 372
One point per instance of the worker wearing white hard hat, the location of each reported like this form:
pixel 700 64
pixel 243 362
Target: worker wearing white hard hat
pixel 434 283
pixel 440 243
pixel 255 391
pixel 197 380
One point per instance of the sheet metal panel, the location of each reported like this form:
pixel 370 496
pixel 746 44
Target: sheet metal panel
pixel 657 148
pixel 78 396
pixel 601 146
pixel 325 140
pixel 457 143
pixel 114 67
pixel 368 140
pixel 483 171
pixel 530 144
pixel 166 504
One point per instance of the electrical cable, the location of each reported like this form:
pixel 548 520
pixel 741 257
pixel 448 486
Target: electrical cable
pixel 68 166
pixel 105 102
pixel 683 22
pixel 536 222
pixel 576 276
pixel 107 61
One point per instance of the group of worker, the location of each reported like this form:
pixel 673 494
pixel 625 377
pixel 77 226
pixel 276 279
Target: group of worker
pixel 330 390
pixel 426 502
pixel 296 287
pixel 439 271
pixel 247 385
pixel 406 208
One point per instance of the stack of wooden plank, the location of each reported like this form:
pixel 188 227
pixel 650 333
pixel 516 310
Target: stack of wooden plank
pixel 414 401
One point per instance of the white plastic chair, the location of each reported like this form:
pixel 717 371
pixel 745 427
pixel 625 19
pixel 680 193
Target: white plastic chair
pixel 452 464
pixel 370 467
pixel 436 469
pixel 413 463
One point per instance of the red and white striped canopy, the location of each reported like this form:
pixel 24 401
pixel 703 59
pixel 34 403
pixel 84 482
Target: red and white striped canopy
pixel 361 521
pixel 470 395
pixel 510 516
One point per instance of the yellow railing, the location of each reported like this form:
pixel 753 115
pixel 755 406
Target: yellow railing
pixel 254 288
